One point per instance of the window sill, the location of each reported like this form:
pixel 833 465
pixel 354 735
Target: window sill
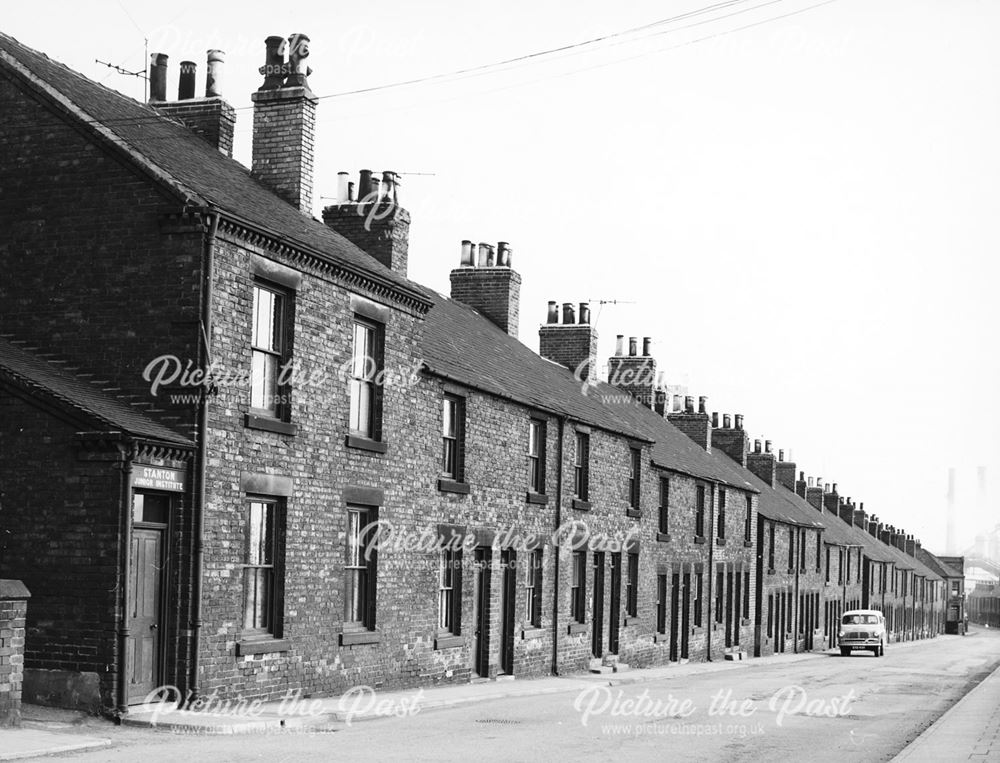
pixel 530 633
pixel 699 539
pixel 770 571
pixel 451 486
pixel 659 638
pixel 663 537
pixel 720 541
pixel 574 628
pixel 744 621
pixel 581 505
pixel 748 544
pixel 269 424
pixel 351 638
pixel 365 443
pixel 262 646
pixel 633 514
pixel 538 498
pixel 449 642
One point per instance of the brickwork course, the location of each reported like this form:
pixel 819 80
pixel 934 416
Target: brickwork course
pixel 154 240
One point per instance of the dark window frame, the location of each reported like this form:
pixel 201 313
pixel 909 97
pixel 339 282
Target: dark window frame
pixel 632 584
pixel 664 512
pixel 450 592
pixel 578 587
pixel 533 588
pixel 699 510
pixel 635 478
pixel 581 466
pixel 273 611
pixel 770 545
pixel 748 521
pixel 661 604
pixel 537 431
pixel 699 582
pixel 720 525
pixel 360 610
pixel 453 457
pixel 282 318
pixel 367 378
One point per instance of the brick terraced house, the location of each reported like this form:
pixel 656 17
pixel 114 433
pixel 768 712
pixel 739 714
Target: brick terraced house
pixel 241 452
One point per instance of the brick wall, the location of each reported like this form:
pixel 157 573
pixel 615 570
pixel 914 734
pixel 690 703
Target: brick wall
pixel 495 292
pixel 284 129
pixel 13 608
pixel 211 118
pixel 89 274
pixel 382 230
pixel 568 344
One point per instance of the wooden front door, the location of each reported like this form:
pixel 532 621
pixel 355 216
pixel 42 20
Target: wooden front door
pixel 675 622
pixel 615 615
pixel 509 558
pixel 145 607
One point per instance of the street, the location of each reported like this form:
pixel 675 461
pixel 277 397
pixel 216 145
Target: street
pixel 859 708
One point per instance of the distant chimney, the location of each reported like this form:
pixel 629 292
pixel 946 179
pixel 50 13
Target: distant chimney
pixel 785 472
pixel 730 440
pixel 695 424
pixel 814 494
pixel 494 290
pixel 763 464
pixel 284 123
pixel 800 485
pixel 378 224
pixel 210 117
pixel 860 519
pixel 635 374
pixel 647 344
pixel 569 343
pixel 660 402
pixel 845 510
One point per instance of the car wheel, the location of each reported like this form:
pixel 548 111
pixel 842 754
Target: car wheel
pixel 881 650
pixel 845 651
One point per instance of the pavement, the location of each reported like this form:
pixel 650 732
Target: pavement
pixel 969 730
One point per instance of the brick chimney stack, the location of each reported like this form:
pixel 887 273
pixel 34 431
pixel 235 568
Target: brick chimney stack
pixel 375 221
pixel 571 343
pixel 762 463
pixel 284 123
pixel 210 117
pixel 814 494
pixel 634 373
pixel 731 439
pixel 831 500
pixel 801 485
pixel 487 283
pixel 786 471
pixel 696 424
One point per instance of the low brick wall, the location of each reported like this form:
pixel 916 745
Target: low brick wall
pixel 13 609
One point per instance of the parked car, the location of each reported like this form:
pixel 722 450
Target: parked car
pixel 862 629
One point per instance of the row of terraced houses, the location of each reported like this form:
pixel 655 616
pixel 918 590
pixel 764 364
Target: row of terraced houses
pixel 241 452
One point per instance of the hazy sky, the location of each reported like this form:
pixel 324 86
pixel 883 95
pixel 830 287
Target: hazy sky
pixel 799 212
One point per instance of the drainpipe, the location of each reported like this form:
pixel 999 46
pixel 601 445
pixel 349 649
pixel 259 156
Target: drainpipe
pixel 555 547
pixel 710 540
pixel 798 597
pixel 199 507
pixel 125 539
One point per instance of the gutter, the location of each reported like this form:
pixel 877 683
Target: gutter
pixel 125 554
pixel 555 578
pixel 198 508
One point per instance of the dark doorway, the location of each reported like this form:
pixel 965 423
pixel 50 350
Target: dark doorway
pixel 729 608
pixel 686 615
pixel 615 615
pixel 597 637
pixel 508 558
pixel 484 565
pixel 675 623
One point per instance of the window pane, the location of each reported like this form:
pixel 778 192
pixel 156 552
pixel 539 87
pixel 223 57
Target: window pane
pixel 261 546
pixel 257 606
pixel 363 351
pixel 354 553
pixel 448 422
pixel 361 407
pixel 263 381
pixel 263 333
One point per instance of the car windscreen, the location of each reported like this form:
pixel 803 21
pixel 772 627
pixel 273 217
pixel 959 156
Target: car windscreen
pixel 860 620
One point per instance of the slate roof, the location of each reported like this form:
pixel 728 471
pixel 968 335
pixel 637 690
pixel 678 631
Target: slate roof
pixel 193 168
pixel 944 570
pixel 772 504
pixel 461 344
pixel 40 377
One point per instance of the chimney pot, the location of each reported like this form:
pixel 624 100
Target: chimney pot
pixel 689 403
pixel 702 404
pixel 364 185
pixel 633 346
pixel 157 77
pixel 185 86
pixel 715 419
pixel 389 186
pixel 677 403
pixel 726 421
pixel 484 254
pixel 810 481
pixel 647 344
pixel 503 254
pixel 781 455
pixel 553 314
pixel 491 256
pixel 213 76
pixel 468 259
pixel 298 52
pixel 342 187
pixel 584 313
pixel 568 317
pixel 834 487
pixel 756 446
pixel 802 476
pixel 826 488
pixel 274 63
pixel 619 345
pixel 767 446
pixel 739 420
pixel 350 191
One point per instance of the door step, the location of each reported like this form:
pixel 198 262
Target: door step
pixel 597 666
pixel 735 656
pixel 505 677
